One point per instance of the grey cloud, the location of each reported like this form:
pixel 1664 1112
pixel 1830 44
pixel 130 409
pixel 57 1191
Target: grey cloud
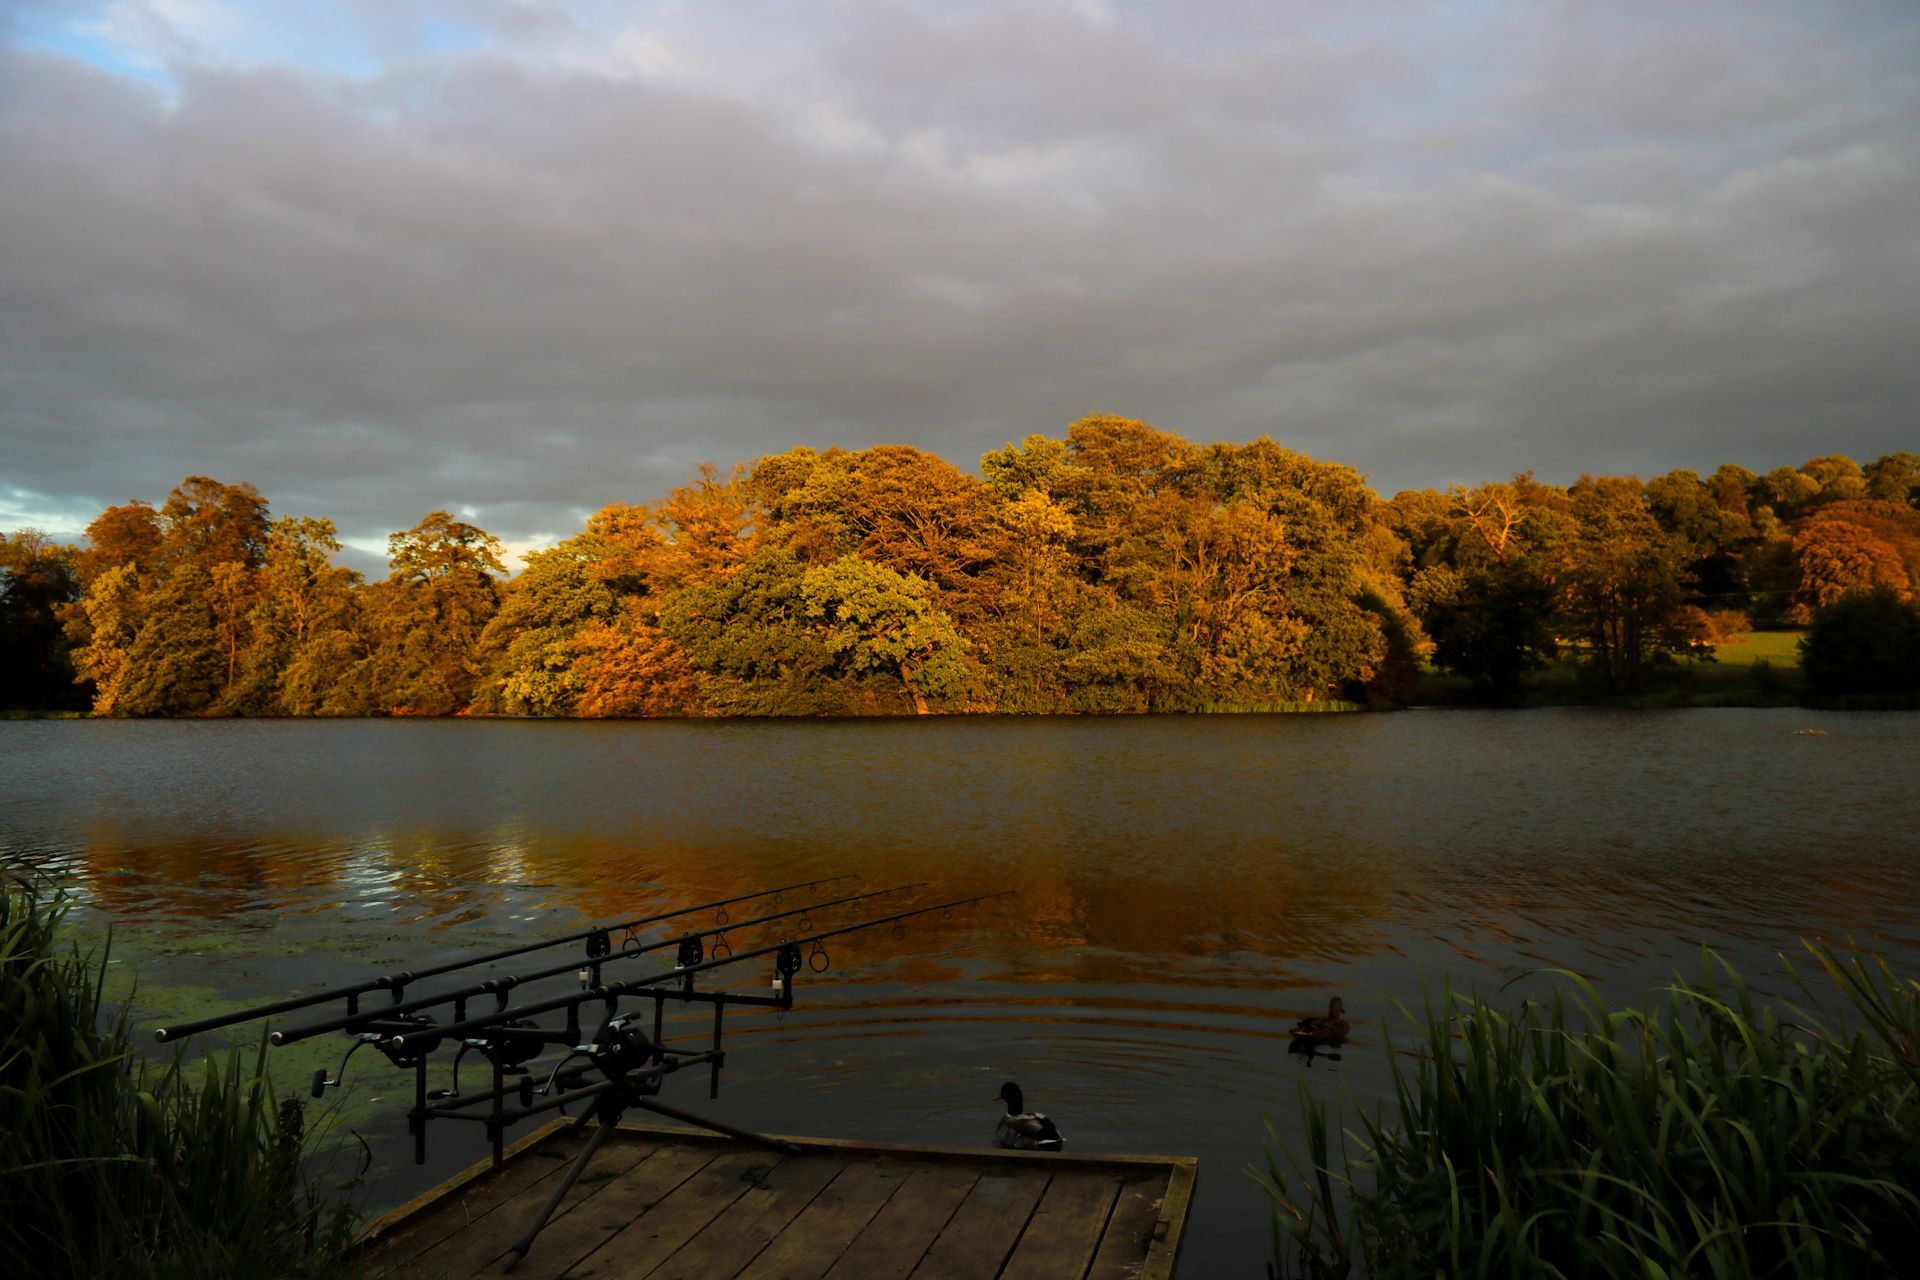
pixel 481 283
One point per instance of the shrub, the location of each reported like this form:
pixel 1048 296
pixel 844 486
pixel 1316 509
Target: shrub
pixel 1866 642
pixel 1706 1136
pixel 1727 626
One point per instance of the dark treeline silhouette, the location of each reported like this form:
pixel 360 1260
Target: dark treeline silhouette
pixel 1119 569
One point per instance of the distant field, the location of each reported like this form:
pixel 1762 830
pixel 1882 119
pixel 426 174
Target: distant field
pixel 1781 648
pixel 1734 679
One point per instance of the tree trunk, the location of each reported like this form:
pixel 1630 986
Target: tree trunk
pixel 919 702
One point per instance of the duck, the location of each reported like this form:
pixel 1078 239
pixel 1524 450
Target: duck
pixel 1331 1029
pixel 1023 1130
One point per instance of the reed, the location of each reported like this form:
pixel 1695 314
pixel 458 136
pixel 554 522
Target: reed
pixel 114 1165
pixel 1708 1135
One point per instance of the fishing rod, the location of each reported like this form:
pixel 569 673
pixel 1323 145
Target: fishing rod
pixel 598 938
pixel 617 1066
pixel 611 992
pixel 589 969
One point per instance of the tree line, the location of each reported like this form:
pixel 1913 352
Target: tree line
pixel 1118 569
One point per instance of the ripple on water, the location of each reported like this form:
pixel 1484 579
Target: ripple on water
pixel 1186 887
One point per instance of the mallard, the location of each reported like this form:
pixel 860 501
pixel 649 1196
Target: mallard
pixel 1331 1029
pixel 1023 1130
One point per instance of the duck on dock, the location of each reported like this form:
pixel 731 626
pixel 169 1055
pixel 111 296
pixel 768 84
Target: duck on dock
pixel 1023 1130
pixel 1331 1029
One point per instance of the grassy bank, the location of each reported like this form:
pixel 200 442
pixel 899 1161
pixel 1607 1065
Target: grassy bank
pixel 1707 1135
pixel 1755 669
pixel 117 1166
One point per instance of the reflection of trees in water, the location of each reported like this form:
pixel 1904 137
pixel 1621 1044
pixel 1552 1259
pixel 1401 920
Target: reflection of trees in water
pixel 1074 917
pixel 1081 916
pixel 199 878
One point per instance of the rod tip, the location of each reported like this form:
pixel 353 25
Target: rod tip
pixel 276 1037
pixel 162 1034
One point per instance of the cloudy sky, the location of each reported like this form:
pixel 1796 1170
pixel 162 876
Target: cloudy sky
pixel 521 260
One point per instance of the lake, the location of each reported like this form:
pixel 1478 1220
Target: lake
pixel 1184 888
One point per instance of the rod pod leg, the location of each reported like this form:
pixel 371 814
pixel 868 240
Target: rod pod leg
pixel 608 1123
pixel 744 1135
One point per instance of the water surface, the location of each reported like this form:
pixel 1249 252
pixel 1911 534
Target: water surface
pixel 1184 887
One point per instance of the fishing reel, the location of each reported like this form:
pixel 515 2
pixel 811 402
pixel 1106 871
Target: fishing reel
pixel 620 1050
pixel 323 1082
pixel 409 1043
pixel 414 1028
pixel 512 1044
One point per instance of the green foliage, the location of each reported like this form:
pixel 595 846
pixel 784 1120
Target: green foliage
pixel 878 622
pixel 746 636
pixel 1864 643
pixel 1492 626
pixel 110 1165
pixel 1707 1135
pixel 39 581
pixel 528 643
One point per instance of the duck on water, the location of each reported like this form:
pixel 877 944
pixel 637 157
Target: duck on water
pixel 1023 1130
pixel 1331 1029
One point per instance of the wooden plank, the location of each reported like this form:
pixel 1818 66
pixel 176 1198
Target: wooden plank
pixel 459 1202
pixel 727 1244
pixel 847 1210
pixel 815 1239
pixel 1051 1161
pixel 1172 1227
pixel 1064 1231
pixel 570 1242
pixel 390 1221
pixel 976 1241
pixel 1129 1236
pixel 650 1236
pixel 479 1246
pixel 891 1246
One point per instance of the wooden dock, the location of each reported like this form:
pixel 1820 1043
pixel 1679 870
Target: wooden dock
pixel 679 1204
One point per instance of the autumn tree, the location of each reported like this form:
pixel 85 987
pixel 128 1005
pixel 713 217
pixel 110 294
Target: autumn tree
pixel 1836 556
pixel 1624 589
pixel 182 583
pixel 205 522
pixel 1030 557
pixel 1709 537
pixel 892 505
pixel 527 646
pixel 707 530
pixel 1111 657
pixel 175 663
pixel 1894 478
pixel 128 534
pixel 111 609
pixel 627 665
pixel 442 591
pixel 748 638
pixel 876 622
pixel 308 647
pixel 1839 478
pixel 625 662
